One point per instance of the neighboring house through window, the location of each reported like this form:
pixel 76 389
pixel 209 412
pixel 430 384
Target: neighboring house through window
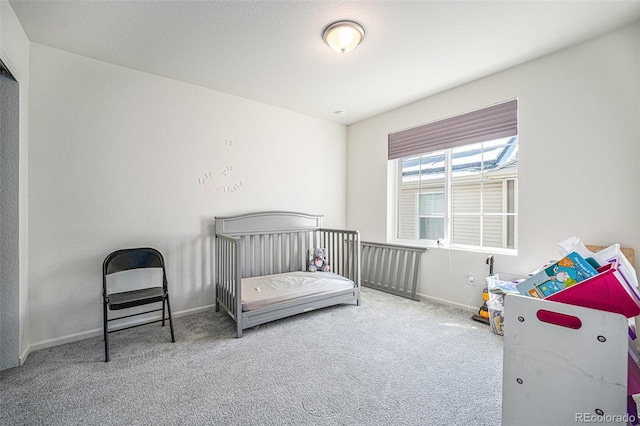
pixel 466 194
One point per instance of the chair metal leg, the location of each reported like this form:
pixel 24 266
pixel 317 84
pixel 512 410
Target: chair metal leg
pixel 163 300
pixel 106 331
pixel 217 301
pixel 173 338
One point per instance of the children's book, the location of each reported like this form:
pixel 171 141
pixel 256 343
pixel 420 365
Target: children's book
pixel 568 271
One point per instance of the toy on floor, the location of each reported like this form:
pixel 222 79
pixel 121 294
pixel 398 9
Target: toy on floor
pixel 483 312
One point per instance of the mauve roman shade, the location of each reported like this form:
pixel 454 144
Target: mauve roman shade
pixel 493 122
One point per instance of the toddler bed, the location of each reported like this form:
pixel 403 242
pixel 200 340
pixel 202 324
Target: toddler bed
pixel 261 266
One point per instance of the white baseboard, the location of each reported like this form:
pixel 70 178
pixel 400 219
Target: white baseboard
pixel 74 337
pixel 446 302
pixel 24 355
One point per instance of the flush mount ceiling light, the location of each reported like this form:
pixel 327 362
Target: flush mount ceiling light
pixel 343 36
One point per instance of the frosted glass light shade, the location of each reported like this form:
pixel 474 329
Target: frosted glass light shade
pixel 343 36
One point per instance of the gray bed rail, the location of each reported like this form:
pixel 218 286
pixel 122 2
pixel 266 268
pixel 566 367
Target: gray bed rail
pixel 392 268
pixel 267 252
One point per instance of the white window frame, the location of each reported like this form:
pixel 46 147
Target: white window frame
pixel 446 242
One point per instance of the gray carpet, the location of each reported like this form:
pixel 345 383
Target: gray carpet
pixel 390 361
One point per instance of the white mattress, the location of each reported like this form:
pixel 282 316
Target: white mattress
pixel 258 292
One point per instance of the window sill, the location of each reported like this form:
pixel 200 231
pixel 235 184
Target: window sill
pixel 458 247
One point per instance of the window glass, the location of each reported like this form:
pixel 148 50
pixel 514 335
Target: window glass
pixel 465 195
pixel 431 215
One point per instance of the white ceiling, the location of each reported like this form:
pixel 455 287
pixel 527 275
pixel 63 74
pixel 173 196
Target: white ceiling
pixel 272 51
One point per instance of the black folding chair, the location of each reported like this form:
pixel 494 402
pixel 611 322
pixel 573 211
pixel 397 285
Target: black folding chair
pixel 126 260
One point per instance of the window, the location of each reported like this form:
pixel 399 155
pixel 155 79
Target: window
pixel 466 194
pixel 431 215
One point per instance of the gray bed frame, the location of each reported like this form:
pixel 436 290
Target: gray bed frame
pixel 267 243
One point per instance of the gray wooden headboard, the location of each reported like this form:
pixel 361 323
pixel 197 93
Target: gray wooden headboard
pixel 267 222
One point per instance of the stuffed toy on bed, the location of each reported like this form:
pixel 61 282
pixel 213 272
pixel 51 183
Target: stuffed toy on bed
pixel 318 261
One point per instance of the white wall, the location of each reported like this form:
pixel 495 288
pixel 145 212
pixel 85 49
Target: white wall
pixel 120 158
pixel 14 52
pixel 579 144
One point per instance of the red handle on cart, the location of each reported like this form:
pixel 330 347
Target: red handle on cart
pixel 556 318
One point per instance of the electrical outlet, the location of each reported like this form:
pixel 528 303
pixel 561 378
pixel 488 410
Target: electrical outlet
pixel 472 279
